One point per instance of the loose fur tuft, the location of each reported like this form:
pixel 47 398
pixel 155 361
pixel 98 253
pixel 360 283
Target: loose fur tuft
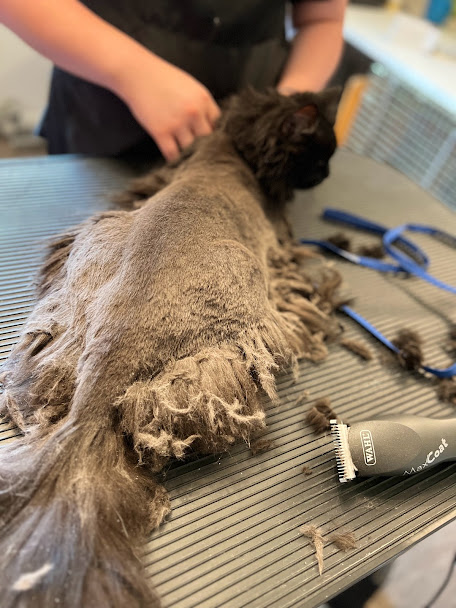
pixel 451 342
pixel 315 536
pixel 410 355
pixel 344 541
pixel 446 390
pixel 357 347
pixel 371 251
pixel 341 240
pixel 320 414
pixel 262 445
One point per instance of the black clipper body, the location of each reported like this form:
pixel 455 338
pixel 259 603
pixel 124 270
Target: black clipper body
pixel 397 445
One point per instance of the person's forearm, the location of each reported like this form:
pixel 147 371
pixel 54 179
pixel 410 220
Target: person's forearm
pixel 168 103
pixel 74 38
pixel 315 54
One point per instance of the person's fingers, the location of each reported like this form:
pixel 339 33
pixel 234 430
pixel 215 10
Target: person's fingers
pixel 201 126
pixel 168 147
pixel 184 137
pixel 213 112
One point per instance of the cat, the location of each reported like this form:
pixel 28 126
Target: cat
pixel 154 332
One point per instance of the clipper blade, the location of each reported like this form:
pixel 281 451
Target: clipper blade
pixel 345 467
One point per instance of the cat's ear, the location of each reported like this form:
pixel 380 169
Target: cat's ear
pixel 302 122
pixel 329 102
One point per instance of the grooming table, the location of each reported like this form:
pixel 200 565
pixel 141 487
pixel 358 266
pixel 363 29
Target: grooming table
pixel 233 537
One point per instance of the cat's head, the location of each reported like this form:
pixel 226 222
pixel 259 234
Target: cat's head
pixel 286 140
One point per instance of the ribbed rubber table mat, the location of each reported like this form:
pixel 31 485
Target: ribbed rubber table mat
pixel 233 537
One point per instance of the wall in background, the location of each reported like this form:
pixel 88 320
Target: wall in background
pixel 24 79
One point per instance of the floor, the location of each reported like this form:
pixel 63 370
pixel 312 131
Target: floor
pixel 416 576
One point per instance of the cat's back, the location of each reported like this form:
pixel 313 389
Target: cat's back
pixel 206 202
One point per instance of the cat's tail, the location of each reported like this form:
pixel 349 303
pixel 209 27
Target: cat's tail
pixel 73 511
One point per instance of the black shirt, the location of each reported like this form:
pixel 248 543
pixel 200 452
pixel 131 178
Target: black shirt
pixel 224 44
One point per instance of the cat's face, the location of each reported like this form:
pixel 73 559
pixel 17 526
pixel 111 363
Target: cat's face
pixel 309 136
pixel 309 165
pixel 287 141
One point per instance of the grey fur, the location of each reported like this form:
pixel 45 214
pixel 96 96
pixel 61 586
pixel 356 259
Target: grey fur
pixel 154 332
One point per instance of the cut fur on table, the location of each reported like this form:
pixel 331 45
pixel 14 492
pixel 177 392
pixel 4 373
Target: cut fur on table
pixel 357 347
pixel 155 332
pixel 341 240
pixel 446 390
pixel 371 251
pixel 410 353
pixel 315 536
pixel 344 540
pixel 261 445
pixel 320 414
pixel 451 342
pixel 411 358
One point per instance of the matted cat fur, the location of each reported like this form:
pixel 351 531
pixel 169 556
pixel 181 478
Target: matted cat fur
pixel 154 333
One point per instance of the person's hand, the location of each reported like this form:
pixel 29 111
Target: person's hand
pixel 172 106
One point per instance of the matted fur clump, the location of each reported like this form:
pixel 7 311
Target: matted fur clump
pixel 320 415
pixel 154 332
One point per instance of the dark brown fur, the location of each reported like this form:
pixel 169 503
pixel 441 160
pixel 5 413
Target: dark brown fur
pixel 451 343
pixel 261 445
pixel 320 414
pixel 341 240
pixel 154 333
pixel 358 348
pixel 446 390
pixel 344 541
pixel 410 355
pixel 371 251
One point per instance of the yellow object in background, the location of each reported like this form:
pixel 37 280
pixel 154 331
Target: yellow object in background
pixel 348 106
pixel 394 5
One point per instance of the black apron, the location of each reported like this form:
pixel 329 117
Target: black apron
pixel 225 45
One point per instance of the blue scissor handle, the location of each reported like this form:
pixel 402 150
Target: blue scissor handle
pixel 391 236
pixel 356 221
pixel 361 260
pixel 448 372
pixel 353 220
